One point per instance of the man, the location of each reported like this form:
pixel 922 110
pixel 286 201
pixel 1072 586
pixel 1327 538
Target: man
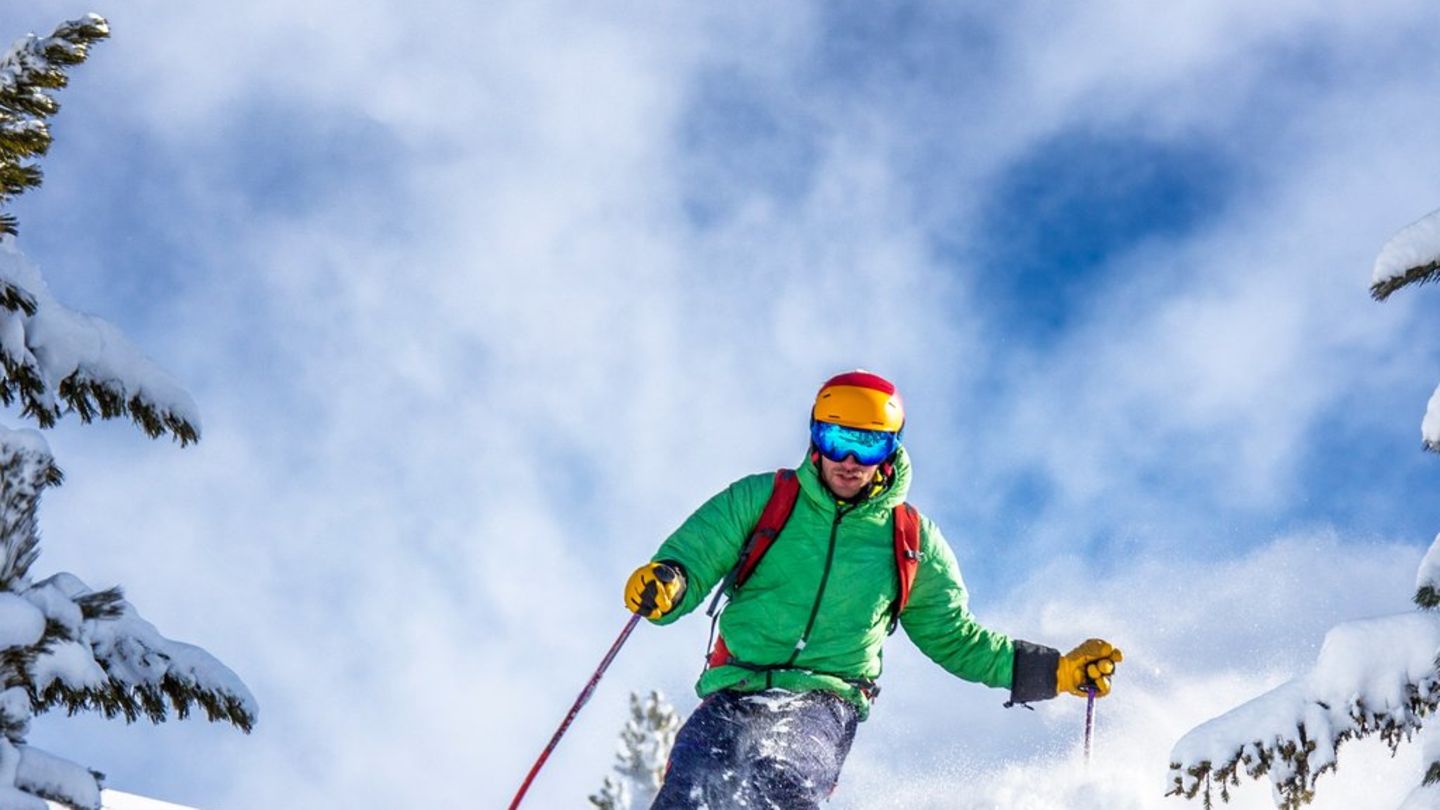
pixel 793 669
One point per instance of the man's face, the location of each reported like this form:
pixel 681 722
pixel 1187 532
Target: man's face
pixel 846 478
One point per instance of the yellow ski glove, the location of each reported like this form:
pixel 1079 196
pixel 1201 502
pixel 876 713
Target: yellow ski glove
pixel 1090 664
pixel 654 590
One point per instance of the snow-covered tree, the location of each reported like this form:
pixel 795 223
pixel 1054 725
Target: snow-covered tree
pixel 640 755
pixel 32 67
pixel 55 360
pixel 1412 256
pixel 63 644
pixel 1379 676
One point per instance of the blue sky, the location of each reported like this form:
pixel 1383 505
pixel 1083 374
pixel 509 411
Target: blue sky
pixel 479 302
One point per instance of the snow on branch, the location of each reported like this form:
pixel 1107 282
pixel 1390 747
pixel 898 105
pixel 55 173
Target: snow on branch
pixel 1426 795
pixel 63 644
pixel 1377 676
pixel 1412 256
pixel 1427 579
pixel 57 361
pixel 45 775
pixel 1416 274
pixel 32 67
pixel 26 468
pixel 117 663
pixel 1430 425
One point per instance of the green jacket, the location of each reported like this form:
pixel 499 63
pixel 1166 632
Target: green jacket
pixel 832 570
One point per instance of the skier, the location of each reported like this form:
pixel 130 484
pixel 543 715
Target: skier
pixel 792 671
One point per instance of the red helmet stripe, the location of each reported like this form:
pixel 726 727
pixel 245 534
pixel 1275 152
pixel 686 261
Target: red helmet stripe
pixel 862 379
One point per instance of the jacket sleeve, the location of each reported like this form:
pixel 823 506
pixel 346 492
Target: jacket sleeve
pixel 707 545
pixel 939 621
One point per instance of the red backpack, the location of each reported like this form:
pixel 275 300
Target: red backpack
pixel 783 496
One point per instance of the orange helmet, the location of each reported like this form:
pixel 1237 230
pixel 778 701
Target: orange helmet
pixel 859 399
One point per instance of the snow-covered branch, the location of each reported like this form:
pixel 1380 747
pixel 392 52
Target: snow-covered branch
pixel 1415 274
pixel 56 361
pixel 1412 256
pixel 1377 676
pixel 26 468
pixel 53 360
pixel 114 661
pixel 63 644
pixel 1427 579
pixel 1430 426
pixel 59 780
pixel 28 71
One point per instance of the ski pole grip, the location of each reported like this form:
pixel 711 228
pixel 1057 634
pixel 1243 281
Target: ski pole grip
pixel 664 574
pixel 647 598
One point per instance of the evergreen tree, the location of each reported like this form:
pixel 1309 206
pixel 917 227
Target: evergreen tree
pixel 32 67
pixel 43 384
pixel 640 757
pixel 1379 676
pixel 63 644
pixel 1412 257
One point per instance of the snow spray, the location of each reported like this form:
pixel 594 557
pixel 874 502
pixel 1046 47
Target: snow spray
pixel 647 605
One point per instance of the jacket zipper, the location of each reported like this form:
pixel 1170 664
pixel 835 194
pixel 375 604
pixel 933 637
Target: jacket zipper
pixel 840 513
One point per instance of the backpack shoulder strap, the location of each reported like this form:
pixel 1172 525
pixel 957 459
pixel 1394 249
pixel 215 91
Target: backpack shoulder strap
pixel 783 494
pixel 907 557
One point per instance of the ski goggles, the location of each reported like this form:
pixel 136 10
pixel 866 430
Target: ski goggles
pixel 836 442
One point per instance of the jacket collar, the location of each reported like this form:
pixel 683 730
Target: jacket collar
pixel 891 497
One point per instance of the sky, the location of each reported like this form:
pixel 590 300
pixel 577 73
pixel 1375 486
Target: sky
pixel 479 301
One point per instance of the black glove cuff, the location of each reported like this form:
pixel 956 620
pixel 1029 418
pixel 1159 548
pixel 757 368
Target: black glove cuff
pixel 679 569
pixel 1034 672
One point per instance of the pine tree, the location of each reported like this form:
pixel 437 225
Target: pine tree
pixel 641 754
pixel 1374 677
pixel 1412 256
pixel 63 644
pixel 32 67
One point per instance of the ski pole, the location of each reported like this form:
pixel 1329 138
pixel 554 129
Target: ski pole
pixel 1089 719
pixel 663 573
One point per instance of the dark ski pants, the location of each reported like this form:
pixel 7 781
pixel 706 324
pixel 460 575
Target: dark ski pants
pixel 772 750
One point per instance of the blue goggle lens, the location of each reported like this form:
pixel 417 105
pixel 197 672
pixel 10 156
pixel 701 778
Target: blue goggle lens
pixel 835 442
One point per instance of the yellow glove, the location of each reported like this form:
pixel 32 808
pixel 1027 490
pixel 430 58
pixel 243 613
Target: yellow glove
pixel 654 590
pixel 1090 664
